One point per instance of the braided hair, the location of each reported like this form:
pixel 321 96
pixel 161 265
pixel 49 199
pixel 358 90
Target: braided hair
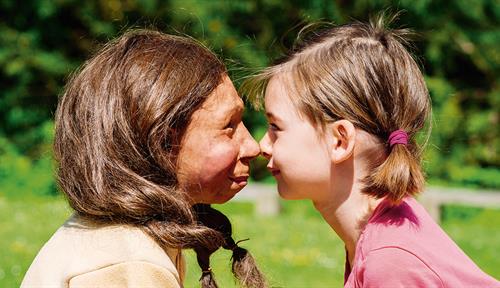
pixel 244 267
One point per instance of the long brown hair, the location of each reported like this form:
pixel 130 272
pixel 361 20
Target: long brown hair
pixel 362 73
pixel 118 126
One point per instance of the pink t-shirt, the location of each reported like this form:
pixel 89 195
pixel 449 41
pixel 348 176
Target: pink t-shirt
pixel 402 246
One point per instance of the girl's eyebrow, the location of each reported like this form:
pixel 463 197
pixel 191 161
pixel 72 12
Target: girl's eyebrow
pixel 272 116
pixel 269 115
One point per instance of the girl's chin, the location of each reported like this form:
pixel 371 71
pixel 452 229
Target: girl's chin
pixel 287 194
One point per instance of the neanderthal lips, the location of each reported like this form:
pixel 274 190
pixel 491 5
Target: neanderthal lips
pixel 240 180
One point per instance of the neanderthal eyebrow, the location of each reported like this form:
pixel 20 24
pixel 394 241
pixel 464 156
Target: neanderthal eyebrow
pixel 234 110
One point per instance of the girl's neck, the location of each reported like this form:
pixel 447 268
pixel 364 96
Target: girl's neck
pixel 349 217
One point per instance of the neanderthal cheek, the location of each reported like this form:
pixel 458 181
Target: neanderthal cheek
pixel 218 163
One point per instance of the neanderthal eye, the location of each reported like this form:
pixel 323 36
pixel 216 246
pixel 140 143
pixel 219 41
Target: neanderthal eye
pixel 229 128
pixel 229 125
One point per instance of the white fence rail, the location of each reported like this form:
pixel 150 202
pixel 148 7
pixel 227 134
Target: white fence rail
pixel 267 202
pixel 435 197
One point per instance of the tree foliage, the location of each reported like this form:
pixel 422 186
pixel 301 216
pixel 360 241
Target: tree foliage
pixel 42 42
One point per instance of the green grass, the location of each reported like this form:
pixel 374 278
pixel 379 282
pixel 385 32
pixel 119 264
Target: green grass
pixel 25 226
pixel 295 249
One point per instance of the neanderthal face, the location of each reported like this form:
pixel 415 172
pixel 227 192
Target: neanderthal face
pixel 213 162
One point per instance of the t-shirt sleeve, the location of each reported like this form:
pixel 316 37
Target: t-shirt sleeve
pixel 395 267
pixel 127 274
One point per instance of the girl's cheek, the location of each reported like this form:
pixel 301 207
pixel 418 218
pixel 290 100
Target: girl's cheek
pixel 218 162
pixel 279 155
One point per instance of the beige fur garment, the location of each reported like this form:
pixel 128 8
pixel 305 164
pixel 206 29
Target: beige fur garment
pixel 84 254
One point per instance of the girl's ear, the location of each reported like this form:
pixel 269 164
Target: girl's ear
pixel 343 134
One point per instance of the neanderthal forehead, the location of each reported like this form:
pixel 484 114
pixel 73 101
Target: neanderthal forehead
pixel 222 108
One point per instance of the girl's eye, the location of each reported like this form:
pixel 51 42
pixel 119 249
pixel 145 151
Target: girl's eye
pixel 274 127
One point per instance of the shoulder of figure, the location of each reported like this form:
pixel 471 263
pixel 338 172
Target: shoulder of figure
pixel 127 274
pixel 396 267
pixel 77 248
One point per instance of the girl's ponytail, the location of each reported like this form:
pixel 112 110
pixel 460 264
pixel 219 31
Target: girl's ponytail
pixel 244 267
pixel 400 174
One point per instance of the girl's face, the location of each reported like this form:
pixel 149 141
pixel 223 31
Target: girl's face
pixel 213 161
pixel 298 155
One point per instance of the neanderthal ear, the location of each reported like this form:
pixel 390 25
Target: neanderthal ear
pixel 343 138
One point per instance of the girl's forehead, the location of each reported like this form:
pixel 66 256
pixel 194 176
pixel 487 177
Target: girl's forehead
pixel 283 99
pixel 276 94
pixel 285 86
pixel 278 102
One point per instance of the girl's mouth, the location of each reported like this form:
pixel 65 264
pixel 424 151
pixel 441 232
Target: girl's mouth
pixel 274 172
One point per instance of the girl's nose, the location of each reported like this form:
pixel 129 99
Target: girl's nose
pixel 265 146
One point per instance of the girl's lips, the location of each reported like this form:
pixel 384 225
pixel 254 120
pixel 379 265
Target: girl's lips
pixel 275 172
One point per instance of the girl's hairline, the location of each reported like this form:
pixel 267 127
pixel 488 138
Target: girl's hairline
pixel 254 87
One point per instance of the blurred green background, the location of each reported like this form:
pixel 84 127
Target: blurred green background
pixel 42 42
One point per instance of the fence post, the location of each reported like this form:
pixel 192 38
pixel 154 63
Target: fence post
pixel 265 197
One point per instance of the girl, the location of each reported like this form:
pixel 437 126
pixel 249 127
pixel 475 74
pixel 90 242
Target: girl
pixel 149 126
pixel 344 110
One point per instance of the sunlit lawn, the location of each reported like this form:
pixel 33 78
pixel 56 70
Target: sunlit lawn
pixel 295 249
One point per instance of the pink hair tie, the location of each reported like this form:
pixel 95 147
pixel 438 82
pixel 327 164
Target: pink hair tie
pixel 398 137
